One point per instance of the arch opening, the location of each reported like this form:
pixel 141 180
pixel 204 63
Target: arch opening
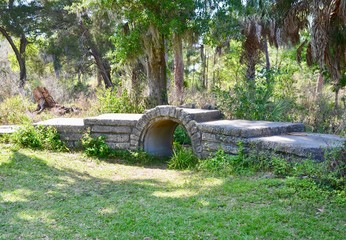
pixel 158 139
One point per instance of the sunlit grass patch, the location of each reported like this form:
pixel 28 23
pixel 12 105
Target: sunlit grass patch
pixel 70 196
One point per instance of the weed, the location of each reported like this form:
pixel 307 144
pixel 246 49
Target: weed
pixel 13 110
pixel 183 158
pixel 220 164
pixel 38 137
pixel 108 101
pixel 95 147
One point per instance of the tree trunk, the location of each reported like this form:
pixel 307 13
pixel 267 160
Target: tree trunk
pixel 336 103
pixel 216 72
pixel 99 77
pixel 178 67
pixel 154 45
pixel 22 65
pixel 157 76
pixel 203 61
pixel 20 55
pixel 319 84
pixel 102 64
pixel 266 53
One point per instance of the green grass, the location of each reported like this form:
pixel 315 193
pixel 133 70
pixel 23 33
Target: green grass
pixel 69 196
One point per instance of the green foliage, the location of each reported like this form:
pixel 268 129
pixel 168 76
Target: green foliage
pixel 181 136
pixel 95 147
pixel 329 174
pixel 220 164
pixel 110 102
pixel 13 110
pixel 38 137
pixel 254 100
pixel 183 158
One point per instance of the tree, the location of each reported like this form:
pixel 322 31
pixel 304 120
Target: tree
pixel 18 20
pixel 327 43
pixel 78 33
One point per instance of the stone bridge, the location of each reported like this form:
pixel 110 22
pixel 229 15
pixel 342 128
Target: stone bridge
pixel 153 133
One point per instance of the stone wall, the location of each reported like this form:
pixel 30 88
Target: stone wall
pixel 71 130
pixel 116 128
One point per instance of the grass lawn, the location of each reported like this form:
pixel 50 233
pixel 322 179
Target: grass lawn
pixel 45 195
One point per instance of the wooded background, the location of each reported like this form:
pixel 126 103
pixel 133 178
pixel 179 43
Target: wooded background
pixel 281 60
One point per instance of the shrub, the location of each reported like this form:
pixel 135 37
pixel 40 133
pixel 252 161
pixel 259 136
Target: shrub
pixel 183 158
pixel 110 102
pixel 38 137
pixel 13 110
pixel 255 100
pixel 334 169
pixel 221 163
pixel 95 147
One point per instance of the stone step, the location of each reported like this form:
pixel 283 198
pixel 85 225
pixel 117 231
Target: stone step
pixel 300 144
pixel 249 129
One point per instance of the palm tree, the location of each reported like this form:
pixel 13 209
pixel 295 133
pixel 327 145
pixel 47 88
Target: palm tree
pixel 326 22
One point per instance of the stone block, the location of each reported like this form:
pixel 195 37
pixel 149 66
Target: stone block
pixel 201 115
pixel 172 112
pixel 124 146
pixel 211 146
pixel 71 136
pixel 134 143
pixel 189 125
pixel 210 137
pixel 196 136
pixel 134 137
pixel 113 137
pixel 164 110
pixel 110 129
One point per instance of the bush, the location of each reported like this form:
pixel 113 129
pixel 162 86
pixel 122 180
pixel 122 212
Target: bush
pixel 110 102
pixel 221 164
pixel 95 147
pixel 13 110
pixel 255 100
pixel 183 158
pixel 39 137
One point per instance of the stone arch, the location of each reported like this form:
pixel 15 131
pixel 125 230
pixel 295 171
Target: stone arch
pixel 153 132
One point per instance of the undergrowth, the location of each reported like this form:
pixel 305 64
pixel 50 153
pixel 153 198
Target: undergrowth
pixel 37 137
pixel 182 158
pixel 98 148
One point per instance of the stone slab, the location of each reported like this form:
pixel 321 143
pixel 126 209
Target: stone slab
pixel 249 129
pixel 201 115
pixel 116 119
pixel 65 125
pixel 303 145
pixel 6 129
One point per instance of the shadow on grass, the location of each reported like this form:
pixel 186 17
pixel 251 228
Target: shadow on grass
pixel 41 201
